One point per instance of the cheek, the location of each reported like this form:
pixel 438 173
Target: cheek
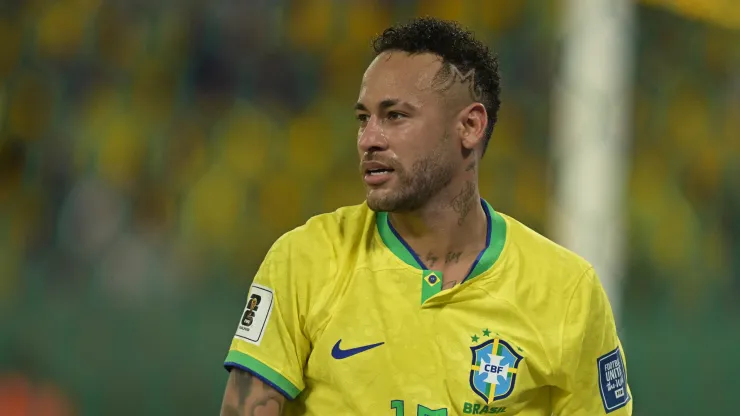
pixel 412 137
pixel 424 141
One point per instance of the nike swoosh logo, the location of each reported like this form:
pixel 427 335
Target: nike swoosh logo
pixel 340 354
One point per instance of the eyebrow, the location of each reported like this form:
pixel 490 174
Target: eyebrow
pixel 384 105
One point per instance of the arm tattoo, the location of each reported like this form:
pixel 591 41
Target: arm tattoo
pixel 228 410
pixel 253 397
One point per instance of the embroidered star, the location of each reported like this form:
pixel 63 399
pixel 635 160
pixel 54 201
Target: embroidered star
pixel 486 332
pixel 474 338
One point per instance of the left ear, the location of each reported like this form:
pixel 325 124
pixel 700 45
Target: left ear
pixel 472 125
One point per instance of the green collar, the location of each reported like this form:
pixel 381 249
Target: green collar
pixel 495 239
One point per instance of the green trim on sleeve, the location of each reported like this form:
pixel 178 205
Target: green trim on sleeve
pixel 264 372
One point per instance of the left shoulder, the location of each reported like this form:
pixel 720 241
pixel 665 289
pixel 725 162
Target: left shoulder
pixel 559 265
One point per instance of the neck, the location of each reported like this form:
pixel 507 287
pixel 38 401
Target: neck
pixel 451 227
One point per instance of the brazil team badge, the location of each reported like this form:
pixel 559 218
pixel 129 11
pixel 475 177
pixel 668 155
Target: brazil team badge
pixel 494 367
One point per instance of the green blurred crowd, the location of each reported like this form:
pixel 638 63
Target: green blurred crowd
pixel 151 152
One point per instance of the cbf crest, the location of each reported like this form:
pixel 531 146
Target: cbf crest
pixel 494 368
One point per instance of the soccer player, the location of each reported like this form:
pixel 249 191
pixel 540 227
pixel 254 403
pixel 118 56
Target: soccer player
pixel 424 300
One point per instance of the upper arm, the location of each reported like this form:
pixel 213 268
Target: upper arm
pixel 592 360
pixel 273 337
pixel 247 395
pixel 270 340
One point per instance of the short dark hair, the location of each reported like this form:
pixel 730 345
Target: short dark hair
pixel 456 46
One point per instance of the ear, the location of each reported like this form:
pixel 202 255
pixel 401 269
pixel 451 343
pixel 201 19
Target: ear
pixel 472 125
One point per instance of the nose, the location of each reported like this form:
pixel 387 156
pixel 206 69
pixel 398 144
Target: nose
pixel 371 137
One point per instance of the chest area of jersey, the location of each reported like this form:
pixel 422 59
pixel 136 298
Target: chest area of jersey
pixel 467 355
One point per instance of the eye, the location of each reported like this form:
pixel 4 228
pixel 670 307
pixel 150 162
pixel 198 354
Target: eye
pixel 393 115
pixel 362 118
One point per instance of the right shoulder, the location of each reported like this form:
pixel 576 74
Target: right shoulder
pixel 306 264
pixel 325 237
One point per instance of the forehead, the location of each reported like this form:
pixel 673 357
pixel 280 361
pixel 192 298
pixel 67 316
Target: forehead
pixel 400 75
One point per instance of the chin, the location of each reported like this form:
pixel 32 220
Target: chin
pixel 387 202
pixel 380 201
pixel 376 204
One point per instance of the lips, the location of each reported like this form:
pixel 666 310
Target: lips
pixel 376 173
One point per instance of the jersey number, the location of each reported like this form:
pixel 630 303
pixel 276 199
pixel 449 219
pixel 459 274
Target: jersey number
pixel 397 405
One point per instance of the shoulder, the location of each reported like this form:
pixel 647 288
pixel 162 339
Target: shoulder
pixel 327 236
pixel 554 265
pixel 308 261
pixel 550 284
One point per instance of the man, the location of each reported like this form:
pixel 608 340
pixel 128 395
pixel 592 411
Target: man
pixel 424 300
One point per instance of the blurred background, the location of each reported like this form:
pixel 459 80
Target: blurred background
pixel 151 152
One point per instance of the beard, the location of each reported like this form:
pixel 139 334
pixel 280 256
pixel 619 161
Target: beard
pixel 415 187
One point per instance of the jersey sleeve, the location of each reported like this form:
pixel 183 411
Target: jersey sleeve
pixel 270 340
pixel 593 365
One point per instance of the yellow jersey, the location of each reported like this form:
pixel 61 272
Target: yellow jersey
pixel 345 319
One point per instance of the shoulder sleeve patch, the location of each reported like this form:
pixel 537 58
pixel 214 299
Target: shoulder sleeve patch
pixel 256 314
pixel 612 381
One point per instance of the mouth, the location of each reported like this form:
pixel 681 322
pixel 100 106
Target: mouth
pixel 378 176
pixel 377 172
